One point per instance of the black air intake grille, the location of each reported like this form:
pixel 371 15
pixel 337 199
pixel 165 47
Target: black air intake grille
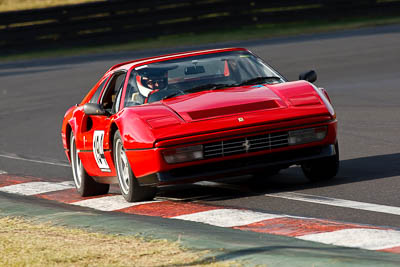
pixel 243 145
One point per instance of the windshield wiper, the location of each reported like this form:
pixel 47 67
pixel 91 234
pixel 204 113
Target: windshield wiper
pixel 258 80
pixel 174 93
pixel 209 86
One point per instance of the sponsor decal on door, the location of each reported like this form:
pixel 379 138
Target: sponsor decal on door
pixel 98 151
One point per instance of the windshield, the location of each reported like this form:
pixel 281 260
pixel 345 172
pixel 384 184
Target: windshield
pixel 166 79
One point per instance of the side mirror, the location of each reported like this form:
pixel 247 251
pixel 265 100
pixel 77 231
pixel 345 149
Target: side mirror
pixel 94 109
pixel 310 76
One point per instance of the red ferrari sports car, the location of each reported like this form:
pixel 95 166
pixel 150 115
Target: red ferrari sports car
pixel 194 116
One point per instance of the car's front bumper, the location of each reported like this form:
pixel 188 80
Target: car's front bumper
pixel 236 167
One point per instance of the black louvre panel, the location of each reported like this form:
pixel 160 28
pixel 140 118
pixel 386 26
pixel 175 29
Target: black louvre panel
pixel 247 144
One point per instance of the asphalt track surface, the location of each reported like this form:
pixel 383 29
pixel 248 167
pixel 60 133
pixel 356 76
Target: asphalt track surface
pixel 359 69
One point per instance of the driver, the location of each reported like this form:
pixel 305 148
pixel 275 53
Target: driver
pixel 147 81
pixel 150 82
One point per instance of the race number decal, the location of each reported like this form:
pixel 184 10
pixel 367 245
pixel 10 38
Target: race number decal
pixel 98 140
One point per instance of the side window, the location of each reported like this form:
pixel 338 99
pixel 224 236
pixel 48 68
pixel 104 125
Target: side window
pixel 110 94
pixel 95 97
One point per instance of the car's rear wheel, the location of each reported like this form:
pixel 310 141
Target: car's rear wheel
pixel 322 169
pixel 84 183
pixel 130 188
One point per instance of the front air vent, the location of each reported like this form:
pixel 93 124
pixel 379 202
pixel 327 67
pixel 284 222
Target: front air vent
pixel 214 112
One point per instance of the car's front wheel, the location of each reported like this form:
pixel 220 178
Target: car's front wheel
pixel 84 183
pixel 130 188
pixel 322 169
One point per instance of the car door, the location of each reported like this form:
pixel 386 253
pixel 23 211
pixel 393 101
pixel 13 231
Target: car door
pixel 96 155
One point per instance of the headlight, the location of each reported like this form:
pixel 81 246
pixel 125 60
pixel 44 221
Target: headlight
pixel 166 121
pixel 326 101
pixel 309 135
pixel 183 154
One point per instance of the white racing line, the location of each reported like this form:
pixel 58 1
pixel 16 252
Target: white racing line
pixel 371 239
pixel 35 188
pixel 338 202
pixel 228 217
pixel 109 203
pixel 10 156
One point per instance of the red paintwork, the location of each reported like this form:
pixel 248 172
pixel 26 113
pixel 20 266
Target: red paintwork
pixel 167 209
pixel 196 118
pixel 298 227
pixel 66 196
pixel 6 180
pixel 391 250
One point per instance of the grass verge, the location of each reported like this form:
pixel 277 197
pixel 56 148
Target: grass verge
pixel 26 243
pixel 12 5
pixel 254 32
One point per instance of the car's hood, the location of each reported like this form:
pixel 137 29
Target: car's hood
pixel 224 102
pixel 229 101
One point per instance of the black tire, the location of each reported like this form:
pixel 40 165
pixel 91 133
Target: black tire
pixel 128 184
pixel 85 185
pixel 322 169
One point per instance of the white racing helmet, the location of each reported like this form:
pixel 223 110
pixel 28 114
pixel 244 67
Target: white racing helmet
pixel 147 82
